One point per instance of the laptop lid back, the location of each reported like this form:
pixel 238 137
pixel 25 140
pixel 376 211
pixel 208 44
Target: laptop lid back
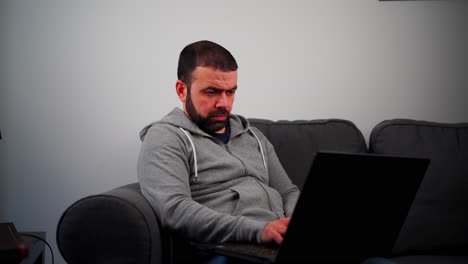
pixel 352 207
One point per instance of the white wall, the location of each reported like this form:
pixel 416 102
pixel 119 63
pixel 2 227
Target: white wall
pixel 79 79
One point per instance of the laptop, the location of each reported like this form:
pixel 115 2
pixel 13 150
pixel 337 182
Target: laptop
pixel 352 207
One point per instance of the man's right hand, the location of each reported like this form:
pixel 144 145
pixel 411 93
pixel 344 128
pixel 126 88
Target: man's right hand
pixel 274 231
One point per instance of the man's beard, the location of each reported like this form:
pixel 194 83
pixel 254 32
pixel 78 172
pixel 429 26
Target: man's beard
pixel 206 123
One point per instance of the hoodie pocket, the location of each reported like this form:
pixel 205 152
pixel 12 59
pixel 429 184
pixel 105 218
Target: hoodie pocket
pixel 252 201
pixel 276 201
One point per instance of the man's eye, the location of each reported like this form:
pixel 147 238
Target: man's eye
pixel 210 92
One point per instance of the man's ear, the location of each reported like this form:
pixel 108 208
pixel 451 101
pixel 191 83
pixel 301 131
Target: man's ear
pixel 181 90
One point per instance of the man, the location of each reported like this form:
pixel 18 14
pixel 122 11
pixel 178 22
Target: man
pixel 209 175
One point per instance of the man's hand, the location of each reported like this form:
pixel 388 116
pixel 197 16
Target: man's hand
pixel 274 231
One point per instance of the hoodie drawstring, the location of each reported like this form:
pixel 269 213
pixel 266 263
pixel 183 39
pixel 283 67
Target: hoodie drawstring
pixel 195 167
pixel 261 150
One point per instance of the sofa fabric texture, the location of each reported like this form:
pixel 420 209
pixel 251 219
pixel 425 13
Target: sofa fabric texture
pixel 438 220
pixel 297 142
pixel 120 226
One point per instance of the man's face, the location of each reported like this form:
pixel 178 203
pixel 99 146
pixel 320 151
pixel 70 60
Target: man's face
pixel 209 100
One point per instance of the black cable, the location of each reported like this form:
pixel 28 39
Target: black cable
pixel 43 240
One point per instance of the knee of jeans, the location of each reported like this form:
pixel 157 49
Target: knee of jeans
pixel 218 260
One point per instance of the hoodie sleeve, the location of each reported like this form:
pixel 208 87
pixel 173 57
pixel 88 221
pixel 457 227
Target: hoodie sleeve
pixel 281 182
pixel 279 179
pixel 163 172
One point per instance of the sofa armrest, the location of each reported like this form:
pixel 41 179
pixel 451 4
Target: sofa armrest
pixel 118 226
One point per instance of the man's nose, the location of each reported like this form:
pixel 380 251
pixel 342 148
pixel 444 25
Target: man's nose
pixel 222 100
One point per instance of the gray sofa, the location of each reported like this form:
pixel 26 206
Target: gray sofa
pixel 120 226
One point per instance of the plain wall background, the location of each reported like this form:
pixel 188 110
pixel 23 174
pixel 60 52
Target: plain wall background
pixel 79 79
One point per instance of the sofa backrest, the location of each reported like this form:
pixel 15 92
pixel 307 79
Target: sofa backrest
pixel 296 142
pixel 438 220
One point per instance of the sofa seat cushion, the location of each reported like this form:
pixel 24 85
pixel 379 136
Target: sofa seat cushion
pixel 437 223
pixel 296 142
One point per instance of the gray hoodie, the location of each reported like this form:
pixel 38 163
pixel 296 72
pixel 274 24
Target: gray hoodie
pixel 208 191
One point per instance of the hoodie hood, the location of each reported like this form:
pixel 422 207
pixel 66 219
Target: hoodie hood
pixel 177 118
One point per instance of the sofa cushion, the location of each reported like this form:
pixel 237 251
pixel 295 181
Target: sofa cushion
pixel 296 142
pixel 438 220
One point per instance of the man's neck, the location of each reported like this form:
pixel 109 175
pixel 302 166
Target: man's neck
pixel 224 136
pixel 222 131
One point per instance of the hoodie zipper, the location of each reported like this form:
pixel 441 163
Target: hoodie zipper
pixel 269 200
pixel 256 181
pixel 226 147
pixel 244 168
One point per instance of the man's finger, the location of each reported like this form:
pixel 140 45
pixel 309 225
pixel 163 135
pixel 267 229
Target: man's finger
pixel 285 220
pixel 277 238
pixel 281 229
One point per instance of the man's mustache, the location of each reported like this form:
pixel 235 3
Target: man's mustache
pixel 220 111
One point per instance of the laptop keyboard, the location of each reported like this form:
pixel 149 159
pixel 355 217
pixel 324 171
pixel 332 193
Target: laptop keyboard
pixel 256 250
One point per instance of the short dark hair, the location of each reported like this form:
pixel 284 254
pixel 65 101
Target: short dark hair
pixel 203 53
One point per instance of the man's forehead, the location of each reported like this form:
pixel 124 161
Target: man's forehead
pixel 213 75
pixel 208 70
